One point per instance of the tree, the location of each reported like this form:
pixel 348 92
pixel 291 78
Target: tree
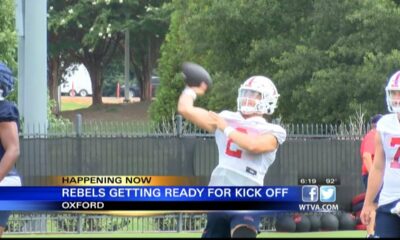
pixel 85 35
pixel 174 50
pixel 147 33
pixel 113 74
pixel 318 53
pixel 226 38
pixel 59 56
pixel 8 39
pixel 90 31
pixel 327 74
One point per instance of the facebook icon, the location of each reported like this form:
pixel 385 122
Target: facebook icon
pixel 309 193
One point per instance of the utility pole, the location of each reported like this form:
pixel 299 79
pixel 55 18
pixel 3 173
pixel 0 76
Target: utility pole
pixel 32 64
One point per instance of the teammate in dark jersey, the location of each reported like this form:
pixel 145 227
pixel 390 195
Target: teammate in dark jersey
pixel 9 140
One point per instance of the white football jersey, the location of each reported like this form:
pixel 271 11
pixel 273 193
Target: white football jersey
pixel 238 167
pixel 11 181
pixel 389 129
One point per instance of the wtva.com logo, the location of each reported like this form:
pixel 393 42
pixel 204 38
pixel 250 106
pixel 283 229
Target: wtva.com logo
pixel 326 193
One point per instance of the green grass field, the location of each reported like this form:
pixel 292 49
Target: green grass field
pixel 336 234
pixel 68 106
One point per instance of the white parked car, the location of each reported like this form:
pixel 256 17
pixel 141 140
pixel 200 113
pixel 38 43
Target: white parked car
pixel 77 82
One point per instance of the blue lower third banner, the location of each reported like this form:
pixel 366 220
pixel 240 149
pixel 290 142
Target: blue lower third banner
pixel 274 198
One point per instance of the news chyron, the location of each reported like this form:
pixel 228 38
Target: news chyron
pixel 183 193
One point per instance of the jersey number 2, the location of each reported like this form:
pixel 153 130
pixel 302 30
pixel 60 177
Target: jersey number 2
pixel 395 163
pixel 234 153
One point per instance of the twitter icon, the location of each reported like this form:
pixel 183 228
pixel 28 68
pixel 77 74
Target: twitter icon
pixel 327 193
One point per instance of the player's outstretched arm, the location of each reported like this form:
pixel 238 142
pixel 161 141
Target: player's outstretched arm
pixel 197 81
pixel 196 115
pixel 255 144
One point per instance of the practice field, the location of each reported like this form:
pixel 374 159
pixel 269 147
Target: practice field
pixel 335 234
pixel 75 103
pixel 69 106
pixel 112 110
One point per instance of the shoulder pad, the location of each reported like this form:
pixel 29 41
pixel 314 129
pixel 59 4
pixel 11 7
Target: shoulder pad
pixel 8 112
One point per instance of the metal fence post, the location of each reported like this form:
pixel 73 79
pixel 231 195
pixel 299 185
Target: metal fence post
pixel 78 125
pixel 79 223
pixel 179 122
pixel 180 222
pixel 78 130
pixel 179 125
